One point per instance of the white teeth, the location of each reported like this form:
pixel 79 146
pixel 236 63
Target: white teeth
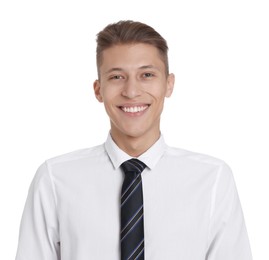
pixel 133 109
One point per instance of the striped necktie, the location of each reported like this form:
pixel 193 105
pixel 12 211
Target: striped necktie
pixel 132 221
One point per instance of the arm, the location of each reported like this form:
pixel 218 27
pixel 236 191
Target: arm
pixel 39 236
pixel 228 239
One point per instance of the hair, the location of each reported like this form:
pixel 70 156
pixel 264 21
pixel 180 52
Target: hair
pixel 130 32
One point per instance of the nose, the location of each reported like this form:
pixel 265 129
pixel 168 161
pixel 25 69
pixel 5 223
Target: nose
pixel 131 89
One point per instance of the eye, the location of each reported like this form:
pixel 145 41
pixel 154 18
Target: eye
pixel 116 77
pixel 148 75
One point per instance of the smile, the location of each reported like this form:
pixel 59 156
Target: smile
pixel 133 109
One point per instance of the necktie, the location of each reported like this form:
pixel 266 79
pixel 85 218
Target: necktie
pixel 132 221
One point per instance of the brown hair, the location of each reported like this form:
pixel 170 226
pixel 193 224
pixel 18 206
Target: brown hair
pixel 128 32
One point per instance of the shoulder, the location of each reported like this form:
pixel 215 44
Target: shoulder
pixel 74 160
pixel 203 167
pixel 196 160
pixel 182 154
pixel 62 166
pixel 77 155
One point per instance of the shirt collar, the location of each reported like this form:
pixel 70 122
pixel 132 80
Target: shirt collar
pixel 150 157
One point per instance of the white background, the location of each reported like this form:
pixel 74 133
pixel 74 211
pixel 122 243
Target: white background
pixel 218 51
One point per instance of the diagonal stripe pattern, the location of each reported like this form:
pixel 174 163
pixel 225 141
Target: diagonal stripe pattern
pixel 132 221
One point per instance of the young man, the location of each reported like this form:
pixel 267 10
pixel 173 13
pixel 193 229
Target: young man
pixel 133 197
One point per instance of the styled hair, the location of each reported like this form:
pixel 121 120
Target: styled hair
pixel 129 32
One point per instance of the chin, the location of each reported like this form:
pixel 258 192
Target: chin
pixel 134 134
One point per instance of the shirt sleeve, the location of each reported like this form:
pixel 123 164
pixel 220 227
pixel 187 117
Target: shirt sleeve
pixel 39 237
pixel 228 239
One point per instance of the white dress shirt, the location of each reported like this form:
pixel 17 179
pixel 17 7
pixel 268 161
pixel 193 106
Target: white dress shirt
pixel 191 207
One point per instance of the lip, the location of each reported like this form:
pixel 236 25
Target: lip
pixel 134 109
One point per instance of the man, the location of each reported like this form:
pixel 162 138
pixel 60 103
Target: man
pixel 133 197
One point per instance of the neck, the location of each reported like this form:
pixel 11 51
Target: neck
pixel 134 146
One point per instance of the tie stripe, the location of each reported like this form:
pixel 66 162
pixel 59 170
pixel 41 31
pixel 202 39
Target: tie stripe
pixel 138 251
pixel 131 189
pixel 123 193
pixel 137 217
pixel 133 165
pixel 132 215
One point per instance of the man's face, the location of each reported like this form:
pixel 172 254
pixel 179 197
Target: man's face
pixel 133 86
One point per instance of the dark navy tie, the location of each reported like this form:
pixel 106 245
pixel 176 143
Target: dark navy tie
pixel 132 221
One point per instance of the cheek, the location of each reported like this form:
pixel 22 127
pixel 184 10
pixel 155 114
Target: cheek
pixel 158 93
pixel 110 101
pixel 109 93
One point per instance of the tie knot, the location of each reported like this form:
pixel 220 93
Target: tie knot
pixel 133 165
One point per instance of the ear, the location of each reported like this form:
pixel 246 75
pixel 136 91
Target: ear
pixel 97 92
pixel 170 84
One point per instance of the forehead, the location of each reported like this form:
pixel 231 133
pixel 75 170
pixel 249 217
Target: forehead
pixel 131 55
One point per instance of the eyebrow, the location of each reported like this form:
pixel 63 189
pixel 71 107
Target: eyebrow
pixel 113 69
pixel 149 67
pixel 140 68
